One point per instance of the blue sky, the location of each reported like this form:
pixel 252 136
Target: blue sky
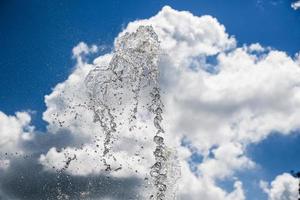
pixel 37 37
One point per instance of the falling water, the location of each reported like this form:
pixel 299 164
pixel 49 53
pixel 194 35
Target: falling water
pixel 116 89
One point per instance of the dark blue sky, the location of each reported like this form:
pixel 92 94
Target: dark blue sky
pixel 37 37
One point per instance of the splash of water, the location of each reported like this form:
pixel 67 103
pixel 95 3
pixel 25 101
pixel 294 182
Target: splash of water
pixel 117 89
pixel 166 169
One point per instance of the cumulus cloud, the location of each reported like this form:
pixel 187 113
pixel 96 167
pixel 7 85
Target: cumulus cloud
pixel 186 36
pixel 13 131
pixel 227 158
pixel 219 96
pixel 295 5
pixel 82 50
pixel 283 187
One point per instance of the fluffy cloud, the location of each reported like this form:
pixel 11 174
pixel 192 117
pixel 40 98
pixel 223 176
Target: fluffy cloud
pixel 284 187
pixel 13 131
pixel 186 36
pixel 219 96
pixel 295 5
pixel 227 158
pixel 67 104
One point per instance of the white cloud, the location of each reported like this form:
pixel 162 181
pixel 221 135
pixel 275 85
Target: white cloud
pixel 227 158
pixel 254 91
pixel 88 161
pixel 81 50
pixel 295 5
pixel 203 187
pixel 186 36
pixel 67 104
pixel 13 131
pixel 256 47
pixel 284 187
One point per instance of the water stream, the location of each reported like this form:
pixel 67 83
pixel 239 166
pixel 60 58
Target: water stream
pixel 118 88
